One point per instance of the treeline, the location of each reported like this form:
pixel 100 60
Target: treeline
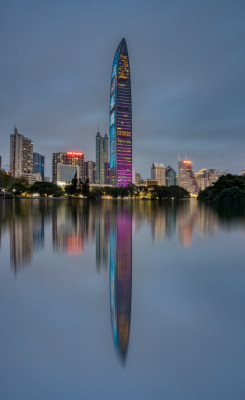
pixel 20 187
pixel 151 192
pixel 228 187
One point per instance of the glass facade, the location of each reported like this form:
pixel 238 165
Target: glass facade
pixel 120 119
pixel 38 164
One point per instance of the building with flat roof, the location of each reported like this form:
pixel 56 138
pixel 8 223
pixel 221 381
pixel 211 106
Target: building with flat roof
pixel 21 155
pixel 158 173
pixel 70 158
pixel 90 171
pixel 101 157
pixel 65 174
pixel 38 164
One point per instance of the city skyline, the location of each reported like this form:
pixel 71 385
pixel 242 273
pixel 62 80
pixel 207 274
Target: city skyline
pixel 187 88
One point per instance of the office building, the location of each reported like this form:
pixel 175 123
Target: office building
pixel 202 178
pixel 138 179
pixel 38 164
pixel 66 173
pixel 34 177
pixel 90 171
pixel 150 182
pixel 158 173
pixel 170 176
pixel 213 176
pixel 107 173
pixel 186 177
pixel 120 119
pixel 101 157
pixel 70 158
pixel 21 155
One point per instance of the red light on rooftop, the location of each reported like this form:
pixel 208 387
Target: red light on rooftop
pixel 74 153
pixel 186 162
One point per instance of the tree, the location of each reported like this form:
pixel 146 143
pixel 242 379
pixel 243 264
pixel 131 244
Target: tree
pixel 227 187
pixel 72 189
pixel 85 188
pixel 45 189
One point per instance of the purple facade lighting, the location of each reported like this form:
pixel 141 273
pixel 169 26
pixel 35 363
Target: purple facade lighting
pixel 121 278
pixel 120 119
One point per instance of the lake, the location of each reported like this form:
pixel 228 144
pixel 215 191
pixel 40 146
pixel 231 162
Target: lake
pixel 121 299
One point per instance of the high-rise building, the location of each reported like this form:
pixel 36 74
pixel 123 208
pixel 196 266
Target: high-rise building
pixel 38 164
pixel 158 173
pixel 107 173
pixel 213 176
pixel 21 155
pixel 101 157
pixel 170 176
pixel 71 158
pixel 186 177
pixel 90 171
pixel 202 178
pixel 138 179
pixel 120 119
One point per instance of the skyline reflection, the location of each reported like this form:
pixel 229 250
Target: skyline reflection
pixel 76 223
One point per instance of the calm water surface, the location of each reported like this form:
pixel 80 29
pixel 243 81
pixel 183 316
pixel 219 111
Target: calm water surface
pixel 121 300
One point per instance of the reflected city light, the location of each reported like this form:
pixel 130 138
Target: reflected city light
pixel 121 278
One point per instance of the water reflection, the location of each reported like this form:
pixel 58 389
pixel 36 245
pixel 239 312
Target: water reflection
pixel 108 226
pixel 121 277
pixel 76 223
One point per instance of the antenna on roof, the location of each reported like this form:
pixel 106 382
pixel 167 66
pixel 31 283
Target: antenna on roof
pixel 98 126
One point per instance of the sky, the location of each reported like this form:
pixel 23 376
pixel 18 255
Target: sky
pixel 187 61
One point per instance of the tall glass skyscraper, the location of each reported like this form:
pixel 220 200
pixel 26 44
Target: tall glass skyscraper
pixel 38 164
pixel 120 119
pixel 101 158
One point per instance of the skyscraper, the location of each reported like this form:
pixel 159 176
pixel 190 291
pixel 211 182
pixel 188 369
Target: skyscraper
pixel 120 119
pixel 158 173
pixel 21 155
pixel 101 157
pixel 71 158
pixel 170 176
pixel 90 171
pixel 186 177
pixel 38 164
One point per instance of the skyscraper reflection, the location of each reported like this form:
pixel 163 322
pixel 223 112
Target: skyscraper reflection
pixel 26 231
pixel 121 277
pixel 68 228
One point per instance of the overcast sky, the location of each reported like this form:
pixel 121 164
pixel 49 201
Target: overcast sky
pixel 187 61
